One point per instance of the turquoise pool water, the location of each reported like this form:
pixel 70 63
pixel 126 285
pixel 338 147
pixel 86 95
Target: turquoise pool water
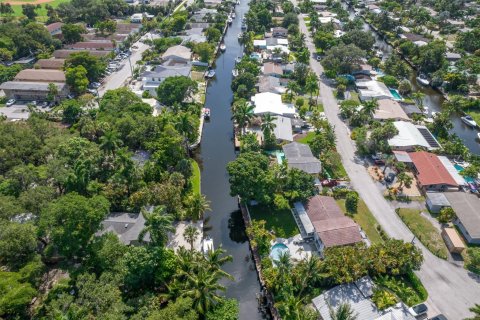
pixel 379 72
pixel 460 169
pixel 278 154
pixel 277 250
pixel 396 95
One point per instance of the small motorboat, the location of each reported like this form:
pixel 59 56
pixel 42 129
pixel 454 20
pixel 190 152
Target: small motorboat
pixel 238 2
pixel 468 120
pixel 240 36
pixel 223 47
pixel 233 15
pixel 422 79
pixel 379 54
pixel 210 74
pixel 235 73
pixel 238 59
pixel 207 245
pixel 206 113
pixel 244 26
pixel 426 111
pixel 230 20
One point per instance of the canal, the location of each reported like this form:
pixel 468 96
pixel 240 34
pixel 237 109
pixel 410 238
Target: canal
pixel 224 223
pixel 433 99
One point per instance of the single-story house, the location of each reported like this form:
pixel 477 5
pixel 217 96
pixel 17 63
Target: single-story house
pixel 363 68
pixel 411 136
pixel 178 54
pixel 300 156
pixel 272 69
pixel 452 240
pixel 152 79
pixel 64 54
pixel 453 56
pixel 279 32
pixel 119 38
pixel 40 75
pixel 136 18
pixel 466 206
pixel 390 110
pixel 127 227
pixel 268 102
pixel 358 295
pixel 414 37
pixel 127 28
pixel 436 201
pixel 283 128
pixel 270 84
pixel 54 64
pixel 54 28
pixel 29 91
pixel 411 109
pixel 200 15
pixel 260 43
pixel 92 45
pixel 431 173
pixel 212 3
pixel 372 89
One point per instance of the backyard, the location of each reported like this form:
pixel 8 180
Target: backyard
pixel 195 178
pixel 280 221
pixel 42 12
pixel 424 231
pixel 365 219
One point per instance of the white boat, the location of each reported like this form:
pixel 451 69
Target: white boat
pixel 425 111
pixel 422 79
pixel 210 74
pixel 379 54
pixel 206 113
pixel 238 2
pixel 233 15
pixel 235 73
pixel 240 36
pixel 238 59
pixel 229 20
pixel 478 136
pixel 469 121
pixel 223 47
pixel 207 245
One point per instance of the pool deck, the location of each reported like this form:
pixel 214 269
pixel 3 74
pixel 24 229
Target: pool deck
pixel 298 249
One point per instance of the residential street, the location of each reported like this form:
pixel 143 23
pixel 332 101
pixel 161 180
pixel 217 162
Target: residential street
pixel 452 290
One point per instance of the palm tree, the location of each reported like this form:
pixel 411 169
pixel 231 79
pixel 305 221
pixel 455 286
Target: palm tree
pixel 215 259
pixel 268 122
pixel 185 127
pixel 309 271
pixel 198 204
pixel 158 223
pixel 390 160
pixel 292 88
pixel 343 312
pixel 110 142
pixel 404 179
pixel 203 287
pixel 243 115
pixel 277 51
pixel 418 97
pixel 369 107
pixel 191 234
pixel 311 85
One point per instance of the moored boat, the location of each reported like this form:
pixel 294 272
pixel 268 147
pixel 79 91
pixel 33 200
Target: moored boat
pixel 223 47
pixel 422 79
pixel 206 113
pixel 230 20
pixel 468 120
pixel 235 73
pixel 207 245
pixel 233 15
pixel 210 74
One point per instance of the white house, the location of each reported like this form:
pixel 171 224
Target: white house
pixel 152 79
pixel 178 54
pixel 372 89
pixel 268 102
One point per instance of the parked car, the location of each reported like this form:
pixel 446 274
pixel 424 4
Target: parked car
pixel 329 183
pixel 379 162
pixel 95 85
pixel 34 102
pixel 439 317
pixel 43 104
pixel 418 310
pixel 340 186
pixel 390 177
pixel 10 102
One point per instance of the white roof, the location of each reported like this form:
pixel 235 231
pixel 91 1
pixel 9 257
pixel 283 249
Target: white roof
pixel 282 42
pixel 304 219
pixel 281 47
pixel 408 135
pixel 260 43
pixel 373 89
pixel 325 20
pixel 283 128
pixel 268 102
pixel 178 51
pixel 451 169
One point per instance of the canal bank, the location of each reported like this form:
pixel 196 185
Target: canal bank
pixel 224 224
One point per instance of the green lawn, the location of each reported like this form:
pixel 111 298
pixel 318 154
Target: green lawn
pixel 354 96
pixel 475 115
pixel 195 177
pixel 365 219
pixel 307 138
pixel 280 221
pixel 424 231
pixel 42 12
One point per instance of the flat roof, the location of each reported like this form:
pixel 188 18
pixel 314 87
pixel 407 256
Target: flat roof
pixel 29 86
pixel 303 216
pixel 438 199
pixel 454 237
pixel 402 156
pixel 451 170
pixel 283 128
pixel 466 207
pixel 300 156
pixel 268 102
pixel 44 75
pixel 390 109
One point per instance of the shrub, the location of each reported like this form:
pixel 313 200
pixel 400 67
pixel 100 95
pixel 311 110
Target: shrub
pixel 390 81
pixel 383 299
pixel 446 215
pixel 351 202
pixel 473 260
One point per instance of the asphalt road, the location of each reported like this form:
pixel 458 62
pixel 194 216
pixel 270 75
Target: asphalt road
pixel 452 290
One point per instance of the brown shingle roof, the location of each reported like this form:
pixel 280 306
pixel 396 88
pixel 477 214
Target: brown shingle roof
pixel 54 26
pixel 430 170
pixel 40 75
pixel 62 54
pixel 339 231
pixel 97 45
pixel 272 68
pixel 50 63
pixel 322 208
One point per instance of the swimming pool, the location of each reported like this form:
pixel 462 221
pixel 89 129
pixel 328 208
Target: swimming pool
pixel 277 250
pixel 460 169
pixel 396 95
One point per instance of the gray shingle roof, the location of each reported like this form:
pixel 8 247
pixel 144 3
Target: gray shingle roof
pixel 168 71
pixel 127 226
pixel 300 156
pixel 29 86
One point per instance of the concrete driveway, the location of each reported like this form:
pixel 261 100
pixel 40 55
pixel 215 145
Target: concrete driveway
pixel 452 290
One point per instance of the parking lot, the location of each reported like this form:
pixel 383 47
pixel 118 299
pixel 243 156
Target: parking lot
pixel 19 110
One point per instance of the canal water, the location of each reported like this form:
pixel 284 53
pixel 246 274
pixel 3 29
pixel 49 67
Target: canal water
pixel 224 223
pixel 433 100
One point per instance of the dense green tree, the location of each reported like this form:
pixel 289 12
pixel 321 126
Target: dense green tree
pixel 242 114
pixel 77 78
pixel 180 309
pixel 28 10
pixel 446 215
pixel 15 295
pixel 343 58
pixel 351 202
pixel 362 39
pixel 205 51
pixel 72 32
pixel 18 243
pixel 227 309
pixel 175 90
pixel 93 65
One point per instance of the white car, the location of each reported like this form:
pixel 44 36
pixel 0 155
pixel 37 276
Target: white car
pixel 10 102
pixel 418 310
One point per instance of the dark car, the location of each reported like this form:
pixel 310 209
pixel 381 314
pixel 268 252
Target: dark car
pixel 418 310
pixel 390 177
pixel 379 162
pixel 329 183
pixel 439 317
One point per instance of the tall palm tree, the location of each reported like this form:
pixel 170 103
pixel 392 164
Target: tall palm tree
pixel 311 85
pixel 243 115
pixel 418 97
pixel 292 88
pixel 203 287
pixel 158 223
pixel 191 234
pixel 215 259
pixel 110 142
pixel 369 107
pixel 343 312
pixel 268 122
pixel 389 161
pixel 185 127
pixel 198 204
pixel 309 271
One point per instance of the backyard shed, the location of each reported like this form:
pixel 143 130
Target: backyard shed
pixel 452 240
pixel 436 201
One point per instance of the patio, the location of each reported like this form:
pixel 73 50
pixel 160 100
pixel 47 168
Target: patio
pixel 297 247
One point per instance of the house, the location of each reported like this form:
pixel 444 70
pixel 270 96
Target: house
pixel 413 37
pixel 430 172
pixel 54 28
pixel 178 54
pixel 272 69
pixel 212 3
pixel 283 128
pixel 466 207
pixel 452 240
pixel 411 109
pixel 64 54
pixel 436 201
pixel 268 102
pixel 29 91
pixel 452 56
pixel 279 32
pixel 128 28
pixel 92 45
pixel 372 89
pixel 152 79
pixel 53 64
pixel 104 38
pixel 270 84
pixel 389 110
pixel 358 295
pixel 136 18
pixel 201 15
pixel 299 156
pixel 260 43
pixel 126 226
pixel 411 136
pixel 40 75
pixel 363 68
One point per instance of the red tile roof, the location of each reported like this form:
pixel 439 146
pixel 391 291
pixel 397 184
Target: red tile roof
pixel 91 45
pixel 50 63
pixel 430 170
pixel 54 26
pixel 322 208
